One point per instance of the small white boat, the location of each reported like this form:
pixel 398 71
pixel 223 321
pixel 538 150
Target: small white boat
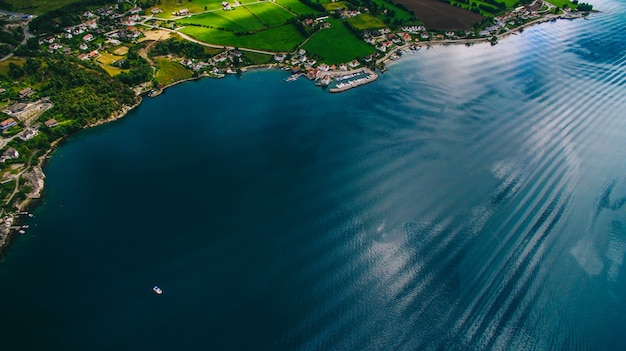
pixel 157 290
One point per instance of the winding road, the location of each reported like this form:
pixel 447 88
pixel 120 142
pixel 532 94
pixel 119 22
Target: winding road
pixel 23 42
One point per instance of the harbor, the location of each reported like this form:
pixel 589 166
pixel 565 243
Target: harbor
pixel 343 82
pixel 337 80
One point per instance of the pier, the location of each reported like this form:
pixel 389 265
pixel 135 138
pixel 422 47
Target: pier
pixel 350 80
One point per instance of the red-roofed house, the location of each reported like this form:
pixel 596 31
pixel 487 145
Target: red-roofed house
pixel 7 123
pixel 51 123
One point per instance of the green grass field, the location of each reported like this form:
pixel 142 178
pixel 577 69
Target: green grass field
pixel 37 7
pixel 239 20
pixel 366 21
pixel 280 39
pixel 297 7
pixel 4 65
pixel 269 13
pixel 494 10
pixel 332 6
pixel 106 59
pixel 259 59
pixel 560 3
pixel 337 44
pixel 401 14
pixel 509 3
pixel 170 71
pixel 169 6
pixel 194 6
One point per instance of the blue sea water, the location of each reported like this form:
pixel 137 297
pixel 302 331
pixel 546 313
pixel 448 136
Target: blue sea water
pixel 471 198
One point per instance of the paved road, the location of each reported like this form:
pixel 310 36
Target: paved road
pixel 26 37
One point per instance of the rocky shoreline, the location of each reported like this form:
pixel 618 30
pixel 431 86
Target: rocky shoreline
pixel 35 177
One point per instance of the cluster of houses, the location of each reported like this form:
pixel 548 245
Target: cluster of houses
pixel 345 13
pixel 385 40
pixel 300 64
pixel 194 65
pixel 300 58
pixel 101 23
pixel 24 135
pixel 514 18
pixel 221 59
pixel 25 112
pixel 298 61
pixel 319 21
pixel 423 34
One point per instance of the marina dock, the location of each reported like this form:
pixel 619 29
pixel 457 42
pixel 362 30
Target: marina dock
pixel 353 80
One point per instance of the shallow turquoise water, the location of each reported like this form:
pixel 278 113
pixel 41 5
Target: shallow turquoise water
pixel 471 198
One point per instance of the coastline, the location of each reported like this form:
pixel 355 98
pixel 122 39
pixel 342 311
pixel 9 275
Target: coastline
pixel 443 42
pixel 10 221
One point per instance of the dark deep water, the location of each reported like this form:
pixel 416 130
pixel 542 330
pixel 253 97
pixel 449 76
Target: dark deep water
pixel 471 198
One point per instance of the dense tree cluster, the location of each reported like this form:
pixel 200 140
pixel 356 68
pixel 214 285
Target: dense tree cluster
pixel 304 30
pixel 489 7
pixel 387 14
pixel 83 94
pixel 5 5
pixel 314 5
pixel 9 38
pixel 179 47
pixel 79 93
pixel 148 3
pixel 140 70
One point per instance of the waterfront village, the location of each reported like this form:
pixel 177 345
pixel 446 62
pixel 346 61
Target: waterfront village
pixel 105 28
pixel 105 37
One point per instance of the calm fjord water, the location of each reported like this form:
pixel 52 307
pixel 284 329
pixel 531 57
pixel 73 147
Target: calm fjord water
pixel 471 198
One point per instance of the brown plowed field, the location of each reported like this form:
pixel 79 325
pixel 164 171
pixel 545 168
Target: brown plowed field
pixel 439 15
